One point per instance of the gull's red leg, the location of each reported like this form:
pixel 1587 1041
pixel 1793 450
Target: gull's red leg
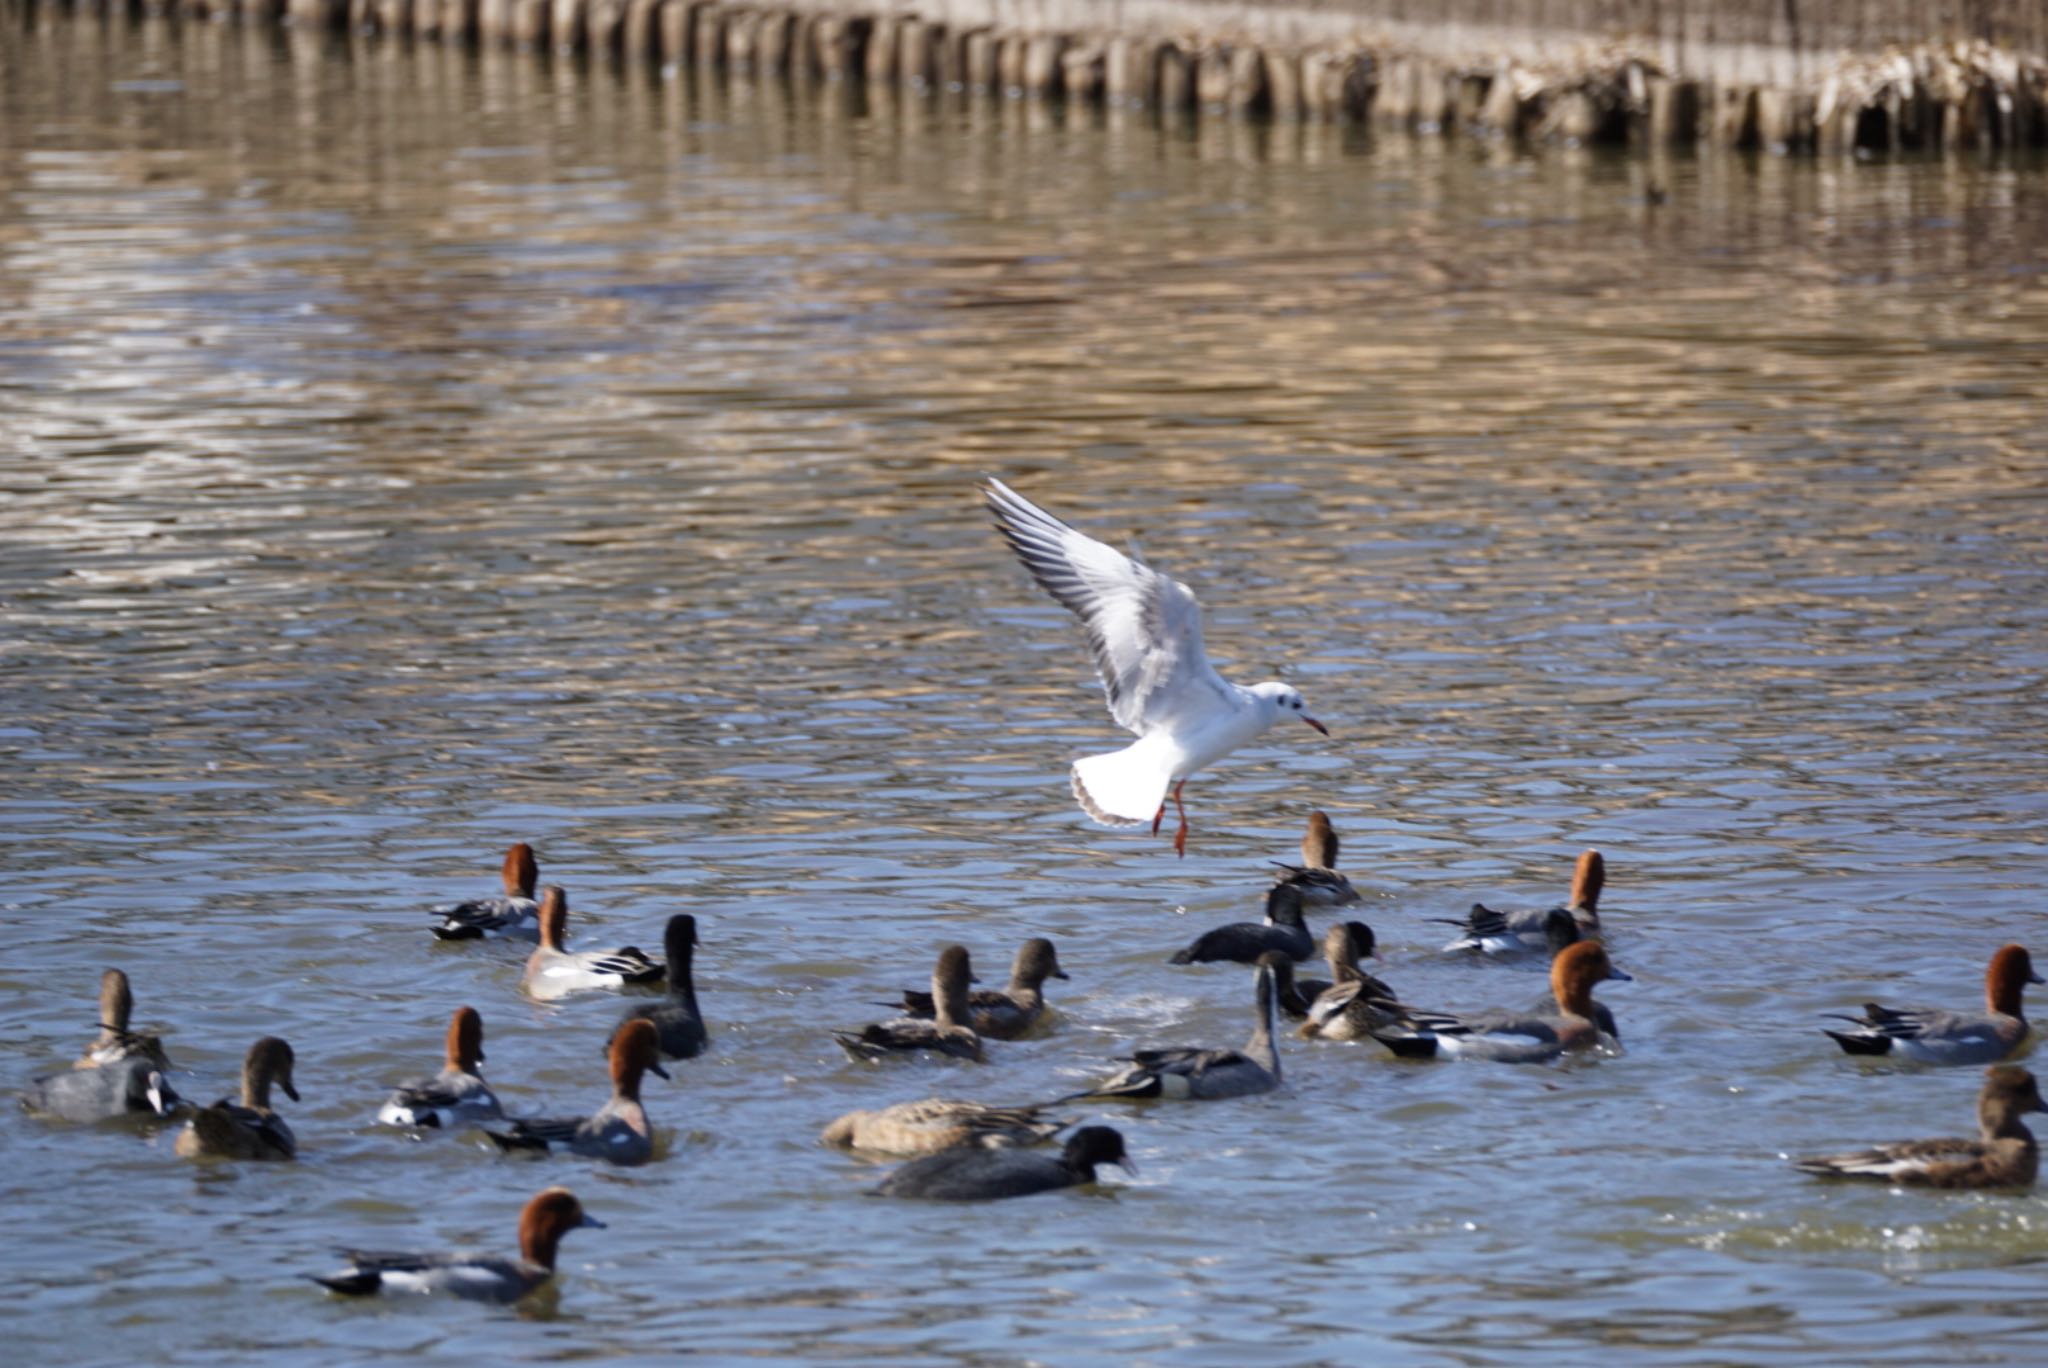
pixel 1159 817
pixel 1180 837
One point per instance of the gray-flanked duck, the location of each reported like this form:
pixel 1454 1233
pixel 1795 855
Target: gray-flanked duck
pixel 115 1041
pixel 677 1022
pixel 542 1224
pixel 515 916
pixel 938 1123
pixel 1512 1037
pixel 458 1093
pixel 248 1129
pixel 949 1032
pixel 618 1131
pixel 134 1086
pixel 981 1175
pixel 1243 942
pixel 554 971
pixel 2002 1156
pixel 1929 1036
pixel 1488 932
pixel 1182 1074
pixel 1004 1013
pixel 1316 877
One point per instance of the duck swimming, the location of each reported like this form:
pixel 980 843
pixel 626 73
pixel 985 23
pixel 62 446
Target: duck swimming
pixel 1929 1036
pixel 248 1129
pixel 947 1033
pixel 2002 1156
pixel 1004 1013
pixel 1183 1074
pixel 1243 942
pixel 516 916
pixel 542 1224
pixel 456 1094
pixel 981 1175
pixel 1506 1036
pixel 617 1132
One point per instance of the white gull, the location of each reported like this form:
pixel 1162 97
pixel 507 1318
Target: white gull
pixel 1146 631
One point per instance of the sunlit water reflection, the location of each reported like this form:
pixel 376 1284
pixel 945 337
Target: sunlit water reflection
pixel 403 454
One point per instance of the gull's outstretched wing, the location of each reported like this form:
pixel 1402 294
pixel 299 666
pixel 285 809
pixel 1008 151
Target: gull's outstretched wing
pixel 1144 627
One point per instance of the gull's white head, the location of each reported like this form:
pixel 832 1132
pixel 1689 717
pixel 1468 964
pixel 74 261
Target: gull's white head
pixel 1284 700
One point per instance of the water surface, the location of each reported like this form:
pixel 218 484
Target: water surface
pixel 404 453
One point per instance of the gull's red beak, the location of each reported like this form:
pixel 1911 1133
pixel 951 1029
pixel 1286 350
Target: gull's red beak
pixel 1317 725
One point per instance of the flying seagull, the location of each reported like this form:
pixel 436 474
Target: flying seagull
pixel 1146 631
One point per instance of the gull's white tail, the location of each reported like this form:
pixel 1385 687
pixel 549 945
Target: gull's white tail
pixel 1126 787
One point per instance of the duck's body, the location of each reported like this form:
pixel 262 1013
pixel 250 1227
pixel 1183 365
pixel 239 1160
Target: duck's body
pixel 115 1042
pixel 940 1124
pixel 619 1131
pixel 2002 1156
pixel 980 1175
pixel 126 1087
pixel 543 1222
pixel 554 971
pixel 455 1096
pixel 678 1025
pixel 515 916
pixel 1145 630
pixel 1930 1036
pixel 248 1129
pixel 1243 942
pixel 1355 1004
pixel 1008 1013
pixel 1508 1036
pixel 1316 877
pixel 1199 1074
pixel 949 1032
pixel 1488 932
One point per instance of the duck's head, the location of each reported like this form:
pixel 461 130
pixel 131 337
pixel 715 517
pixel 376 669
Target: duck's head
pixel 1092 1145
pixel 547 1218
pixel 466 1039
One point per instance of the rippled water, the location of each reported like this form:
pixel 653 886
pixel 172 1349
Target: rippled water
pixel 404 453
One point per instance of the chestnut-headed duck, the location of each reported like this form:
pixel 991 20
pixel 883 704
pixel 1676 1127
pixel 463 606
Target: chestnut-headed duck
pixel 1183 1074
pixel 2002 1155
pixel 546 1219
pixel 1512 1037
pixel 617 1131
pixel 1513 933
pixel 1931 1036
pixel 1004 1013
pixel 515 916
pixel 676 1019
pixel 1559 931
pixel 454 1095
pixel 1316 877
pixel 115 1041
pixel 1356 1004
pixel 554 971
pixel 134 1086
pixel 938 1123
pixel 949 1032
pixel 980 1175
pixel 248 1129
pixel 1243 942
